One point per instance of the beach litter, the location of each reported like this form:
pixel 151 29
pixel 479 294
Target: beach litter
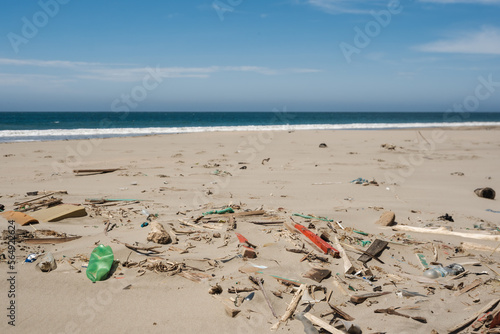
pixel 485 193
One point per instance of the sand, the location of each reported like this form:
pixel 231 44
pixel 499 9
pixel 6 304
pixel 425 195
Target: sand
pixel 182 176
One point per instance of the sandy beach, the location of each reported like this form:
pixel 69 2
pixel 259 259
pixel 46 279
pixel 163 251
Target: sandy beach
pixel 420 175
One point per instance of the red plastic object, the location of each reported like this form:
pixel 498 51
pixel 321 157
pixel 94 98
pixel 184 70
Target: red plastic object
pixel 322 244
pixel 242 239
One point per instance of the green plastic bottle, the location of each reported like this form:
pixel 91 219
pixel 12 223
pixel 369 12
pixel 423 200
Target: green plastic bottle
pixel 100 263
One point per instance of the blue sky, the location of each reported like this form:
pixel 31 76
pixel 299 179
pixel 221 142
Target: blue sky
pixel 249 55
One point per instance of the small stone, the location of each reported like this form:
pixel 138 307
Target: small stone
pixel 323 145
pixel 158 234
pixel 248 252
pixel 386 219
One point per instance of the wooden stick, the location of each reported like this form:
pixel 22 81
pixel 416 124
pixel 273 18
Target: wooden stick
pixel 34 199
pixel 259 282
pixel 96 171
pixel 444 231
pixel 323 324
pixel 240 214
pixel 291 307
pixel 469 320
pixel 40 241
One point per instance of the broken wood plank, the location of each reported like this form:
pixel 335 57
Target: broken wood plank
pixel 317 274
pixel 445 231
pixel 469 287
pixel 59 212
pixel 479 247
pixel 229 306
pixel 468 321
pixel 348 267
pixel 374 250
pixel 323 324
pixel 19 217
pixel 292 306
pixel 341 313
pixel 358 299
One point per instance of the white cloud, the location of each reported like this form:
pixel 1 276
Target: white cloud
pixel 346 6
pixel 486 41
pixel 121 73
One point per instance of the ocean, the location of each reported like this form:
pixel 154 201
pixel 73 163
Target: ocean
pixel 44 126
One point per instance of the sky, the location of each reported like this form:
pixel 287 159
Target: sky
pixel 250 55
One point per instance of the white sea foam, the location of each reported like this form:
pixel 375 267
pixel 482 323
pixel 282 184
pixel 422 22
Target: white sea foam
pixel 54 134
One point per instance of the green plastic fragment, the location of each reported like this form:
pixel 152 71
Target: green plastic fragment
pixel 219 212
pixel 360 232
pixel 313 217
pixel 365 242
pixel 100 263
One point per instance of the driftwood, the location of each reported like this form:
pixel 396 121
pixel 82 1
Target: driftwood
pixel 40 241
pixel 323 324
pixel 291 307
pixel 241 214
pixel 479 247
pixel 471 319
pixel 358 299
pixel 309 255
pixel 139 249
pixel 36 205
pixel 259 281
pixel 231 310
pixel 94 171
pixel 33 199
pixel 241 289
pixel 340 313
pixel 393 311
pixel 158 234
pixel 267 222
pixel 444 231
pixel 469 287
